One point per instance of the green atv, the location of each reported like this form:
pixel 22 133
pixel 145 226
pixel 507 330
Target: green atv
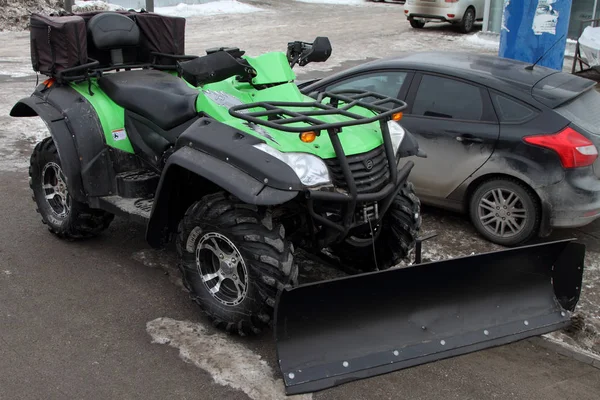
pixel 225 156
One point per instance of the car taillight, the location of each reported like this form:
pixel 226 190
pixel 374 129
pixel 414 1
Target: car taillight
pixel 574 149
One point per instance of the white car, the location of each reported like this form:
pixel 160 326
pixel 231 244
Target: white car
pixel 462 13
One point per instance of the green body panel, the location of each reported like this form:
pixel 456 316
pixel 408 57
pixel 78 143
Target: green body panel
pixel 215 99
pixel 355 140
pixel 271 68
pixel 111 115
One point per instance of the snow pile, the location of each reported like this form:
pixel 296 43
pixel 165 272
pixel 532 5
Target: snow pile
pixel 340 2
pixel 15 13
pixel 485 41
pixel 213 8
pixel 95 5
pixel 226 359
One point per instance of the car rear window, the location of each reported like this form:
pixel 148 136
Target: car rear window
pixel 583 111
pixel 511 111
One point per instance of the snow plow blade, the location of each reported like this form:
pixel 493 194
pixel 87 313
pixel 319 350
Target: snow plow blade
pixel 332 332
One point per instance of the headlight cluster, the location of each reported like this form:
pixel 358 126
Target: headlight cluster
pixel 397 134
pixel 311 170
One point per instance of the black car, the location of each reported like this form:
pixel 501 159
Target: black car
pixel 513 146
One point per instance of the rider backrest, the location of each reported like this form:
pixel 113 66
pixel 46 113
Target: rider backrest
pixel 114 32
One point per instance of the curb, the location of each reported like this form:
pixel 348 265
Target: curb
pixel 566 350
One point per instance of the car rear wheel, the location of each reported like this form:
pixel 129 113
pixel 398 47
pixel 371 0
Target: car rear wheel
pixel 505 211
pixel 416 23
pixel 468 21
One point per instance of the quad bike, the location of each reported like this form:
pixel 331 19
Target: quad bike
pixel 224 156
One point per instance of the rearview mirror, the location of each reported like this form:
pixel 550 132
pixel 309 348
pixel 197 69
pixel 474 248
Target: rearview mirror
pixel 304 53
pixel 320 51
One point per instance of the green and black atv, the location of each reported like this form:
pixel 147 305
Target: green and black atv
pixel 223 155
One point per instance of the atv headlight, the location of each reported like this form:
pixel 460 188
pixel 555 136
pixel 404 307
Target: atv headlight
pixel 397 134
pixel 311 170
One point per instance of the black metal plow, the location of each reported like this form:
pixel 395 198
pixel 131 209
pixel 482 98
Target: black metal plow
pixel 332 332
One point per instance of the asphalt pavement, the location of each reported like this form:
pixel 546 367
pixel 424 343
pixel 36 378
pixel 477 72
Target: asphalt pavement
pixel 73 325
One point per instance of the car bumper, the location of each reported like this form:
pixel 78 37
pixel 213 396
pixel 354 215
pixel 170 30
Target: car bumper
pixel 430 13
pixel 575 201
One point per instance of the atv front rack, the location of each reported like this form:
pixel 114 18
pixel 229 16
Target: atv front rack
pixel 280 114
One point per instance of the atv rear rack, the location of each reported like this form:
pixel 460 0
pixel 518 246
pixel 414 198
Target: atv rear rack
pixel 280 114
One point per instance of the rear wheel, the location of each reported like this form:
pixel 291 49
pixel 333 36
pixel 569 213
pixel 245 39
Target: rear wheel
pixel 505 212
pixel 398 233
pixel 66 217
pixel 468 21
pixel 234 261
pixel 416 23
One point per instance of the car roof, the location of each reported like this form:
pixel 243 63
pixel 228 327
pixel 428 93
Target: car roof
pixel 503 74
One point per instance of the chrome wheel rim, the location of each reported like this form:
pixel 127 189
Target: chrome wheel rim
pixel 56 193
pixel 502 213
pixel 222 269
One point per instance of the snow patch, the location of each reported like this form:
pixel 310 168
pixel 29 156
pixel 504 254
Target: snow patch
pixel 339 2
pixel 228 362
pixel 487 43
pixel 95 5
pixel 213 8
pixel 18 137
pixel 564 340
pixel 16 67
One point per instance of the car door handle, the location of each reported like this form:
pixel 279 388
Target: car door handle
pixel 469 139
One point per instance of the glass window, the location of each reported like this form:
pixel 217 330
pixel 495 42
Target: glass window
pixel 448 98
pixel 583 111
pixel 511 110
pixel 385 83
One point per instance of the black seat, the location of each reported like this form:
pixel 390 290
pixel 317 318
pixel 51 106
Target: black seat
pixel 162 98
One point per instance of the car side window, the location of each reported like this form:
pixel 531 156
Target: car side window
pixel 511 111
pixel 387 83
pixel 448 98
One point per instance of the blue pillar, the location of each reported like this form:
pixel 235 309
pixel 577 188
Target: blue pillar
pixel 532 27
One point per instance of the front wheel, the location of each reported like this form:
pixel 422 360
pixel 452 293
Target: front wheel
pixel 66 217
pixel 416 23
pixel 234 260
pixel 398 232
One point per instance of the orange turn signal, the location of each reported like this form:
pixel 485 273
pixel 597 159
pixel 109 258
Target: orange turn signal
pixel 308 137
pixel 397 116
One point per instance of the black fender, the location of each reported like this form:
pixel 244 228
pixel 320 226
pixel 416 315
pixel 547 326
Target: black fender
pixel 77 132
pixel 62 136
pixel 206 173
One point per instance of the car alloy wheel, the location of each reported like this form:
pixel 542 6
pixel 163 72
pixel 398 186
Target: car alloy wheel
pixel 502 213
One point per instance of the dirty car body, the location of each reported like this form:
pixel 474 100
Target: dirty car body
pixel 481 117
